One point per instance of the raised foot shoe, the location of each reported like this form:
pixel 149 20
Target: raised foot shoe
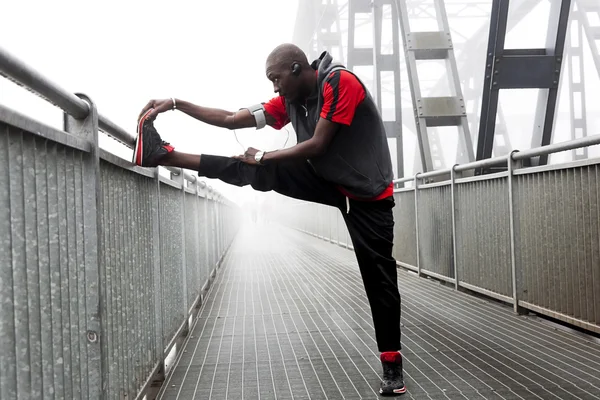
pixel 393 381
pixel 149 147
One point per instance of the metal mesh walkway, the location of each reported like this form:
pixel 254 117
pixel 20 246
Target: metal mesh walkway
pixel 287 318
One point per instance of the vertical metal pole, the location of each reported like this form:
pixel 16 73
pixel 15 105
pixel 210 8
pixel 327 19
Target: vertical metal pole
pixel 197 241
pixel 95 375
pixel 181 180
pixel 491 89
pixel 205 223
pixel 512 165
pixel 211 235
pixel 417 223
pixel 575 55
pixel 157 280
pixel 545 115
pixel 453 175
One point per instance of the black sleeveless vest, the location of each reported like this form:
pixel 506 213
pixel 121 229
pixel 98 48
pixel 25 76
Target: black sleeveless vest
pixel 358 157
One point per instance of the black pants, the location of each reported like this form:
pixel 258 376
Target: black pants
pixel 370 224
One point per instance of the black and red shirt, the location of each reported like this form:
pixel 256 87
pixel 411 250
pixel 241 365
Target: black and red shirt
pixel 342 93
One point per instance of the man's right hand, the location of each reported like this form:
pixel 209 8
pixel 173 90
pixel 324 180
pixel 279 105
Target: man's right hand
pixel 157 106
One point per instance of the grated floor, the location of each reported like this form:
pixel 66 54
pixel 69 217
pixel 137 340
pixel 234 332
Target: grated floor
pixel 287 318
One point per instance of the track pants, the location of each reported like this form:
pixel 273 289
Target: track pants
pixel 370 224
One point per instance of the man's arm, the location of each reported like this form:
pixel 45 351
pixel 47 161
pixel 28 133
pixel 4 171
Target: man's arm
pixel 314 147
pixel 218 117
pixel 212 116
pixel 342 94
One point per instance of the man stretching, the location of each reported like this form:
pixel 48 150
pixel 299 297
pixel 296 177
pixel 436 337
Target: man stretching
pixel 341 160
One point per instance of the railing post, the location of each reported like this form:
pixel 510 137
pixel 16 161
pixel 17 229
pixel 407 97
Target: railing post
pixel 211 234
pixel 181 180
pixel 93 376
pixel 197 241
pixel 453 176
pixel 512 166
pixel 157 282
pixel 417 223
pixel 203 188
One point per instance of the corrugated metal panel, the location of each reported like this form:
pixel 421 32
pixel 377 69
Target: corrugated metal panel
pixel 192 246
pixel 171 245
pixel 483 235
pixel 405 236
pixel 435 230
pixel 127 278
pixel 558 246
pixel 42 284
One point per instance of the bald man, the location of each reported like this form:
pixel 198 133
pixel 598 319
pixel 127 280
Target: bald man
pixel 341 160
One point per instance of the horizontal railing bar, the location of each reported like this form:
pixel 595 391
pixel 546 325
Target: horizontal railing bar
pixel 435 173
pixel 478 178
pixel 114 130
pixel 558 147
pixel 404 180
pixel 556 167
pixel 17 71
pixel 22 74
pixel 489 162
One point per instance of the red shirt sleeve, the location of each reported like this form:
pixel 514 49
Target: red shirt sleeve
pixel 276 109
pixel 342 93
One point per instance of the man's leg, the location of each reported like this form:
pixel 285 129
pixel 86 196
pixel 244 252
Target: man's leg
pixel 294 179
pixel 371 228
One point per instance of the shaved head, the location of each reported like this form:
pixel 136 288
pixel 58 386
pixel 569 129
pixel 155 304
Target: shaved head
pixel 284 55
pixel 280 63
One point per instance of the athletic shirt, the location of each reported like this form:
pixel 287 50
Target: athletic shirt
pixel 342 93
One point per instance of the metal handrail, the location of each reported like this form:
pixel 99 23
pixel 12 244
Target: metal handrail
pixel 516 156
pixel 23 75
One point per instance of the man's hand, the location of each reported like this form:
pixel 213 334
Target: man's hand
pixel 248 156
pixel 158 106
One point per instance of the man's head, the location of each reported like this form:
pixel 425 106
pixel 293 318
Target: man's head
pixel 292 76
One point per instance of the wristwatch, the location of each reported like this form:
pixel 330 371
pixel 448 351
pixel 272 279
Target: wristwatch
pixel 259 156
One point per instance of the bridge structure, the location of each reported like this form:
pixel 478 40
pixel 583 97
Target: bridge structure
pixel 121 282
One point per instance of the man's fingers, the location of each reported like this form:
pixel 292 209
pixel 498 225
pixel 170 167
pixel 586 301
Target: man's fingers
pixel 146 108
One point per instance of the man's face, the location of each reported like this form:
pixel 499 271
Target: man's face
pixel 284 82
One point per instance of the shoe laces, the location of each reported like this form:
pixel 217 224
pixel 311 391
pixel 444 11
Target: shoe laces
pixel 154 135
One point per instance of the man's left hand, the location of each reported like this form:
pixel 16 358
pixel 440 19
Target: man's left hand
pixel 248 156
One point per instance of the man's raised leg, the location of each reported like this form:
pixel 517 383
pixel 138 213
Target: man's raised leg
pixel 294 179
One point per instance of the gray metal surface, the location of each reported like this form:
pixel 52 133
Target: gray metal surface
pixel 558 216
pixel 171 252
pixel 483 256
pixel 405 240
pixel 435 230
pixel 288 319
pixel 126 249
pixel 97 279
pixel 42 321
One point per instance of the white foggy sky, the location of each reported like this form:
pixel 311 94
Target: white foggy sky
pixel 211 53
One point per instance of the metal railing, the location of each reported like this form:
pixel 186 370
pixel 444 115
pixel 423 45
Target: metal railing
pixel 528 236
pixel 103 265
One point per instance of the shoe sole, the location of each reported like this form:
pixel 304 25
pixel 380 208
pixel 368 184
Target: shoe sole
pixel 138 151
pixel 394 392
